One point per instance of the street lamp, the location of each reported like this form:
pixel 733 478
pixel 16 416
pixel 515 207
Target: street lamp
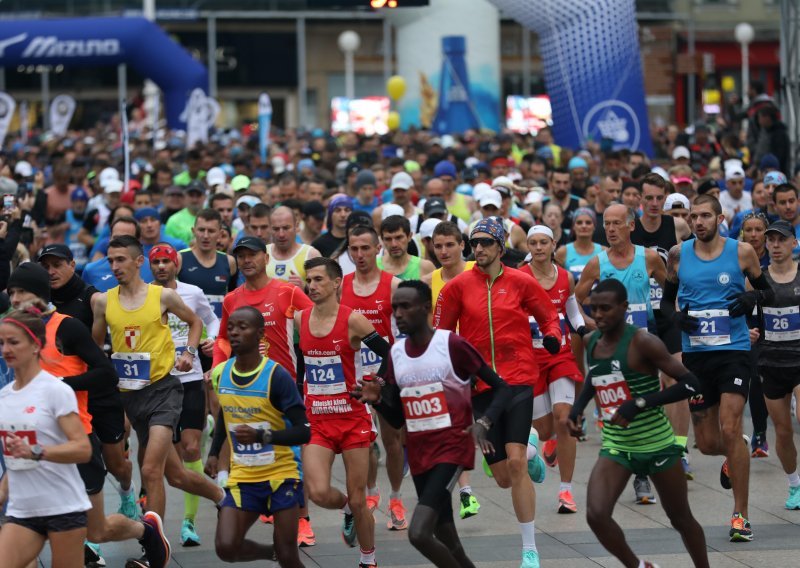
pixel 744 34
pixel 349 41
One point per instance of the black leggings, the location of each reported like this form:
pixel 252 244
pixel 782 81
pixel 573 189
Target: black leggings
pixel 758 407
pixel 434 489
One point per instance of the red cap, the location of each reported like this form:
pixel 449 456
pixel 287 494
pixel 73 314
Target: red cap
pixel 163 251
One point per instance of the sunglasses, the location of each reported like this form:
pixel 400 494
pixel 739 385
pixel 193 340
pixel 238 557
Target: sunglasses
pixel 484 242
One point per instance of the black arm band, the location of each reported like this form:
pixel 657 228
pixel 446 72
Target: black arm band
pixel 377 344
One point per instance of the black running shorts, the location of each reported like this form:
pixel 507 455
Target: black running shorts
pixel 514 424
pixel 778 382
pixel 434 489
pixel 193 415
pixel 93 472
pixel 53 523
pixel 109 423
pixel 719 372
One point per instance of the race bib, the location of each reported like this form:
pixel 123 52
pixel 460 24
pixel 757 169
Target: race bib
pixel 714 328
pixel 637 315
pixel 425 408
pixel 577 270
pixel 25 431
pixel 133 370
pixel 249 455
pixel 612 390
pixel 536 333
pixel 782 324
pixel 216 303
pixel 325 375
pixel 370 361
pixel 656 293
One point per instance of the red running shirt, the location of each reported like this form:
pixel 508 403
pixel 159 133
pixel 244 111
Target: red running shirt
pixel 559 294
pixel 377 308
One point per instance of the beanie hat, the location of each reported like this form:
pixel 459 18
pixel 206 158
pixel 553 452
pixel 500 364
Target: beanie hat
pixel 365 177
pixel 32 278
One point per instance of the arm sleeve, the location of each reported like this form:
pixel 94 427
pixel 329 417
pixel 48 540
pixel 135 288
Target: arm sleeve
pixel 537 303
pixel 668 299
pixel 501 392
pixel 77 340
pixel 686 386
pixel 220 434
pixel 284 396
pixel 206 313
pixel 586 395
pixel 574 313
pixel 390 406
pixel 377 344
pixel 468 362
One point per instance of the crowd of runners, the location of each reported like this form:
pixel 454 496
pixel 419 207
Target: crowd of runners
pixel 405 300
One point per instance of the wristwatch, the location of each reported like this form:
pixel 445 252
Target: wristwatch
pixel 640 402
pixel 191 350
pixel 37 452
pixel 485 422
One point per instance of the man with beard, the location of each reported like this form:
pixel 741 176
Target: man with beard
pixel 559 185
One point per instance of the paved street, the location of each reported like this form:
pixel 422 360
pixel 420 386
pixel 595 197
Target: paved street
pixel 492 539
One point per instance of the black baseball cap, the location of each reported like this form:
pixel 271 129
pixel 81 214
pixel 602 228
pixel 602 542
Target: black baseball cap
pixel 707 186
pixel 59 251
pixel 252 243
pixel 195 186
pixel 783 228
pixel 434 206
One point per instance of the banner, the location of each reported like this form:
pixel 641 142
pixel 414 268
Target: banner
pixel 196 119
pixel 456 110
pixel 24 127
pixel 592 69
pixel 264 124
pixel 7 107
pixel 61 110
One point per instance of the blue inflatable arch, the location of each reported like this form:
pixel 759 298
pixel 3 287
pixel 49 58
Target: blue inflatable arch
pixel 107 41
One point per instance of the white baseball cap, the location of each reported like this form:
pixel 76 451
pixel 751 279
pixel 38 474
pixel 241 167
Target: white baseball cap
pixel 23 169
pixel 681 152
pixel 113 186
pixel 540 230
pixel 215 176
pixel 660 171
pixel 479 190
pixel 401 180
pixel 676 201
pixel 427 227
pixel 107 175
pixel 391 209
pixel 533 196
pixel 734 172
pixel 491 197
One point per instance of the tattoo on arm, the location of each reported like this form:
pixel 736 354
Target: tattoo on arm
pixel 673 262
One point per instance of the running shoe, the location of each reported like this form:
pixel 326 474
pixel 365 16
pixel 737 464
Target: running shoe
pixel 486 469
pixel 142 501
pixel 758 446
pixel 189 536
pixel 740 529
pixel 92 556
pixel 469 505
pixel 140 562
pixel 305 534
pixel 566 503
pixel 373 501
pixel 367 565
pixel 265 519
pixel 536 467
pixel 349 530
pixel 793 502
pixel 127 505
pixel 550 452
pixel 154 541
pixel 724 476
pixel 687 469
pixel 397 516
pixel 530 559
pixel 650 564
pixel 644 493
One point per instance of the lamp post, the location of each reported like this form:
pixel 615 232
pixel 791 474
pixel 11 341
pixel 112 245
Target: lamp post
pixel 744 34
pixel 349 41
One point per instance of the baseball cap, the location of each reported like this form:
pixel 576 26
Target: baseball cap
pixel 351 168
pixel 734 172
pixel 391 209
pixel 445 168
pixel 577 162
pixel 676 201
pixel 174 190
pixel 314 209
pixel 79 194
pixel 278 165
pixel 146 212
pixel 707 186
pixel 781 227
pixel 240 182
pixel 195 187
pixel 491 197
pixel 215 176
pixel 681 179
pixel 427 227
pixel 533 196
pixel 107 175
pixel 252 243
pixel 248 200
pixel 401 180
pixel 774 178
pixel 434 206
pixel 112 186
pixel 306 164
pixel 540 230
pixel 23 169
pixel 681 152
pixel 660 171
pixel 769 162
pixel 503 185
pixel 479 190
pixel 57 250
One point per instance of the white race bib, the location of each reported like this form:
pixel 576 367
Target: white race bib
pixel 250 455
pixel 714 328
pixel 425 408
pixel 133 370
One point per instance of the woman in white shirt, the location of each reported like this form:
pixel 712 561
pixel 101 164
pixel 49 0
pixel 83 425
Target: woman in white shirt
pixel 42 440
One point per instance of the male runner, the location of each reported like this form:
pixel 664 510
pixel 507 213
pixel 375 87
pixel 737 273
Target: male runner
pixel 780 348
pixel 634 266
pixel 448 246
pixel 490 305
pixel 263 418
pixel 286 255
pixel 706 276
pixel 624 362
pixel 203 265
pixel 276 301
pixel 164 266
pixel 660 232
pixel 395 234
pixel 369 291
pixel 428 387
pixel 143 356
pixel 559 375
pixel 330 340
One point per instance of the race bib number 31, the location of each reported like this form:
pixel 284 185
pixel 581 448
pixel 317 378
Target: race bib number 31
pixel 325 375
pixel 425 408
pixel 714 328
pixel 782 324
pixel 612 390
pixel 133 370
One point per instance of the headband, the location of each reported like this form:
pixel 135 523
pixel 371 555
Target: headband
pixel 163 251
pixel 541 230
pixel 26 328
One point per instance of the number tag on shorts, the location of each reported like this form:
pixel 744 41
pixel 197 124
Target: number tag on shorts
pixel 714 328
pixel 250 455
pixel 782 324
pixel 25 431
pixel 425 408
pixel 656 293
pixel 370 361
pixel 612 390
pixel 133 370
pixel 325 375
pixel 637 315
pixel 536 333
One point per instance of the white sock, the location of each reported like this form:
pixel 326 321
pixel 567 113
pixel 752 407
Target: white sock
pixel 395 495
pixel 642 564
pixel 566 486
pixel 466 489
pixel 125 492
pixel 367 556
pixel 532 452
pixel 528 536
pixel 346 508
pixel 373 491
pixel 794 479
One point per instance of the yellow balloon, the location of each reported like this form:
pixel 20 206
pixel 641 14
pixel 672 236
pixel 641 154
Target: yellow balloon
pixel 396 87
pixel 728 83
pixel 393 122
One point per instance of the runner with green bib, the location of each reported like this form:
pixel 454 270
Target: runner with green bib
pixel 624 362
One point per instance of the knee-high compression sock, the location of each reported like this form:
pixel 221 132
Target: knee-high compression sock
pixel 192 502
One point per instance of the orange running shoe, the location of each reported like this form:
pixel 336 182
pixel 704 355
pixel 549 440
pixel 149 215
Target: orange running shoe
pixel 397 516
pixel 550 452
pixel 373 501
pixel 265 519
pixel 305 534
pixel 566 503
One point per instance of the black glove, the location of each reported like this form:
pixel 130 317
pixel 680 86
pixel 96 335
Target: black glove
pixel 686 322
pixel 552 344
pixel 743 304
pixel 628 410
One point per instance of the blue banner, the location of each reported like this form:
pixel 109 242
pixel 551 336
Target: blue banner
pixel 264 125
pixel 456 111
pixel 592 69
pixel 107 41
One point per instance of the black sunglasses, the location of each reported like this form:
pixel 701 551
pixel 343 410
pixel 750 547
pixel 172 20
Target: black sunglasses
pixel 484 242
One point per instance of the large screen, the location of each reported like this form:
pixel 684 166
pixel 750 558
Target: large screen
pixel 528 115
pixel 367 116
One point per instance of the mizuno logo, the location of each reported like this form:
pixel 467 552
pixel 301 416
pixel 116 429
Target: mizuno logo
pixel 51 46
pixel 11 41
